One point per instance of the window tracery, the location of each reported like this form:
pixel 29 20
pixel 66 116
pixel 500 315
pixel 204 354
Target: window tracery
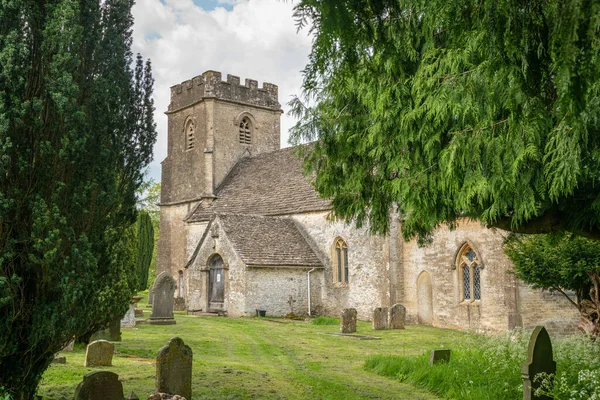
pixel 245 132
pixel 469 268
pixel 340 270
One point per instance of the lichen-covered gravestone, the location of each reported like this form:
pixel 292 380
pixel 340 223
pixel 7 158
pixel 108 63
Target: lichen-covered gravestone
pixel 174 369
pixel 99 354
pixel 439 356
pixel 539 360
pixel 397 316
pixel 380 318
pixel 348 320
pixel 163 291
pixel 100 385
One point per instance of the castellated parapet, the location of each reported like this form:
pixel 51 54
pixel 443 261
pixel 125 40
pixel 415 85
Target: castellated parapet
pixel 210 85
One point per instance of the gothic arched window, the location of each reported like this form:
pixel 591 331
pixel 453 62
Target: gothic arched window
pixel 340 261
pixel 190 139
pixel 469 271
pixel 245 131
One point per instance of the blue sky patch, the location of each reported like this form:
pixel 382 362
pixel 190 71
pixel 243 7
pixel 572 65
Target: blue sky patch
pixel 152 36
pixel 209 5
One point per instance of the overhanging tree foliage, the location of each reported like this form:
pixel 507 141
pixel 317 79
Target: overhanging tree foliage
pixel 450 109
pixel 561 263
pixel 76 129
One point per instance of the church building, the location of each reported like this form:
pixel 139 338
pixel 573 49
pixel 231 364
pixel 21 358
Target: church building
pixel 241 229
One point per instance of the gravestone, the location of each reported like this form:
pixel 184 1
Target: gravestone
pixel 397 316
pixel 348 320
pixel 59 360
pixel 174 369
pixel 132 396
pixel 179 304
pixel 100 385
pixel 128 320
pixel 69 346
pixel 539 359
pixel 112 333
pixel 150 295
pixel 380 318
pixel 439 356
pixel 99 354
pixel 162 309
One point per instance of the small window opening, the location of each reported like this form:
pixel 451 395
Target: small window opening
pixel 245 131
pixel 190 138
pixel 341 272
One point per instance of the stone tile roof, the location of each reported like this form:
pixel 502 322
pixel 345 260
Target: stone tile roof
pixel 266 184
pixel 268 241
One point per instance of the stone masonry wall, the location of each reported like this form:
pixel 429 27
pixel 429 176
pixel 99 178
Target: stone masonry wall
pixel 171 246
pixel 550 309
pixel 505 302
pixel 368 285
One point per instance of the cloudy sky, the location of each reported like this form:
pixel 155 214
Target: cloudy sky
pixel 254 39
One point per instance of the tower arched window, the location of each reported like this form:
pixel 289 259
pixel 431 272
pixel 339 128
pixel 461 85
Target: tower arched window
pixel 245 132
pixel 190 137
pixel 340 261
pixel 469 269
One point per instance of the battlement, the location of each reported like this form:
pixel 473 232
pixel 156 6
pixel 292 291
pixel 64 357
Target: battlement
pixel 209 85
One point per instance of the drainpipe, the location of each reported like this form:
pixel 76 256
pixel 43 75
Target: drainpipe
pixel 309 290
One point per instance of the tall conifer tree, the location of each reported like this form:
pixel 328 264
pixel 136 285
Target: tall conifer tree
pixel 76 130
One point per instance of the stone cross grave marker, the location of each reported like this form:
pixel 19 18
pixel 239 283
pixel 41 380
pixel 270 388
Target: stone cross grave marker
pixel 291 302
pixel 99 354
pixel 174 369
pixel 100 385
pixel 348 320
pixel 397 316
pixel 163 291
pixel 539 359
pixel 380 318
pixel 439 356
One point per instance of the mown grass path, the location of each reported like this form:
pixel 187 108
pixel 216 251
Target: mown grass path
pixel 251 358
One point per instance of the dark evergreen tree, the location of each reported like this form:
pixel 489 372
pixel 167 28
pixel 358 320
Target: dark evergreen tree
pixel 145 248
pixel 561 263
pixel 76 130
pixel 449 109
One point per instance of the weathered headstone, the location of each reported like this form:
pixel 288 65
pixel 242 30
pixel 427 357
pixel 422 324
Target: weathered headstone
pixel 162 309
pixel 439 356
pixel 179 304
pixel 539 360
pixel 150 295
pixel 397 316
pixel 69 346
pixel 380 318
pixel 59 360
pixel 348 320
pixel 128 320
pixel 174 369
pixel 100 385
pixel 112 333
pixel 132 396
pixel 99 354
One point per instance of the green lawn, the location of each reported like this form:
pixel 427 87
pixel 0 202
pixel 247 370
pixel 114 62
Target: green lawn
pixel 252 358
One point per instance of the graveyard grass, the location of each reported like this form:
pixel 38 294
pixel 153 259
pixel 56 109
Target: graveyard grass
pixel 260 358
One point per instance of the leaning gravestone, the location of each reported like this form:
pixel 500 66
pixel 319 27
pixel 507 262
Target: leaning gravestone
pixel 99 354
pixel 112 333
pixel 162 309
pixel 397 316
pixel 439 356
pixel 539 360
pixel 174 369
pixel 348 320
pixel 380 318
pixel 100 385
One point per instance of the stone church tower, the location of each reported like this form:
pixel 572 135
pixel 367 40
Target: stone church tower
pixel 212 124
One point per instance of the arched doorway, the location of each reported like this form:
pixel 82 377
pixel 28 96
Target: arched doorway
pixel 216 284
pixel 424 299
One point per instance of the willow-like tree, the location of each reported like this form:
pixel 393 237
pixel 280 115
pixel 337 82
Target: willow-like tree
pixel 76 130
pixel 448 109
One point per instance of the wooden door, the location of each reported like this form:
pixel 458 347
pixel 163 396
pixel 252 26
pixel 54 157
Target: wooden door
pixel 216 284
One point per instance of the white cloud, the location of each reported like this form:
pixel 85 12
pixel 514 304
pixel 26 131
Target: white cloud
pixel 254 39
